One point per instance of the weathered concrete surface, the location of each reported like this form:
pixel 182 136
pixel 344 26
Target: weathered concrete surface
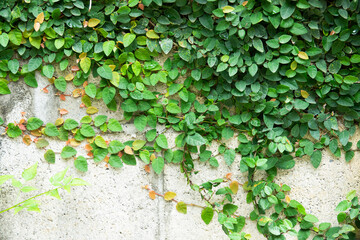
pixel 115 206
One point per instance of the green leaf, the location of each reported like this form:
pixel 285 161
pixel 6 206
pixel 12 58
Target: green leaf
pixel 68 152
pixel 85 64
pixel 108 47
pixel 229 209
pixel 181 207
pixel 350 79
pixel 142 54
pixel 4 178
pixel 136 67
pixel 48 71
pixel 78 182
pixel 13 66
pixel 273 66
pixel 349 155
pixel 313 51
pixel 151 34
pixel 214 162
pixel 30 80
pixel 355 58
pixel 128 39
pixel 227 133
pixel 185 54
pixel 222 67
pixel 258 45
pixel 100 142
pixel 114 125
pixel 13 131
pixel 129 159
pixel 166 45
pixel 108 94
pixel 4 89
pixel 64 63
pixel 51 130
pixel 256 17
pixel 341 217
pixel 140 122
pixel 312 71
pixel 145 156
pixel 344 137
pixel 287 9
pixel 207 215
pixel 300 104
pixel 311 218
pixel 333 146
pixel 30 173
pixel 115 147
pixel 207 21
pixel 158 165
pixel 351 195
pixel 34 123
pixel 229 156
pixel 60 84
pixel 115 161
pixel 151 135
pixel 228 9
pixel 138 144
pixel 35 41
pixel 316 158
pixel 133 3
pixel 162 142
pixel 70 124
pixel 324 226
pixel 15 37
pixel 129 106
pixel 343 206
pixel 34 64
pixel 90 90
pixel 303 234
pixel 105 72
pixel 286 162
pixel 253 69
pixel 59 43
pixel 100 120
pixel 284 38
pixel 42 143
pixel 28 189
pixel 81 164
pixel 298 29
pixel 58 177
pixel 345 101
pixel 173 108
pixel 195 140
pixel 4 39
pixel 87 131
pixel 49 156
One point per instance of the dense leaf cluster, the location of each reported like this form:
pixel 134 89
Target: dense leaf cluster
pixel 281 76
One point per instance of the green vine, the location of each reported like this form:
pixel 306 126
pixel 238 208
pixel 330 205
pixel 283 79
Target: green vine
pixel 280 76
pixel 31 204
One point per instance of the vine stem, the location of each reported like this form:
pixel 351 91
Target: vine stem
pixel 189 180
pixel 36 196
pixel 176 201
pixel 187 204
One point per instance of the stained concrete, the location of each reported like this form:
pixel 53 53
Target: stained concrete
pixel 115 206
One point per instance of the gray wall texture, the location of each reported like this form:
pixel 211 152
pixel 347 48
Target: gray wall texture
pixel 115 206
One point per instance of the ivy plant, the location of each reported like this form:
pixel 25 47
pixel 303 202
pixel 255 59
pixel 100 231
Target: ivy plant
pixel 59 181
pixel 280 76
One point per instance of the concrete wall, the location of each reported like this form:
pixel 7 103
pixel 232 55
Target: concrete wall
pixel 115 206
